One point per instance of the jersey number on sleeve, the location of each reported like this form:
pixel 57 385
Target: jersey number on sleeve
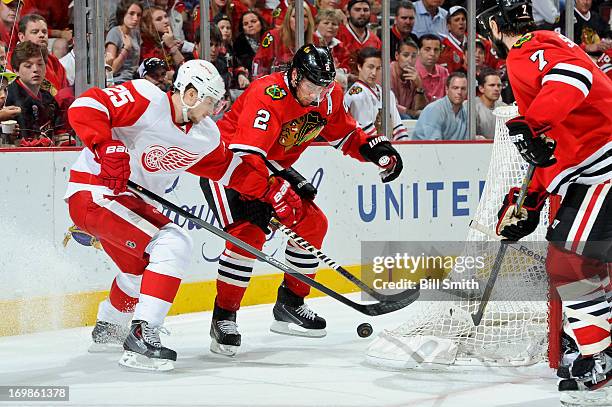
pixel 119 95
pixel 261 121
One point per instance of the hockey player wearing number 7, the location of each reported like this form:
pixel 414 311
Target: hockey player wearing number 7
pixel 565 131
pixel 274 121
pixel 135 131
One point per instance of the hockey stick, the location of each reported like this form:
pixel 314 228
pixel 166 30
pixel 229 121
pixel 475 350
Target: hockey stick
pixel 378 308
pixel 526 251
pixel 477 317
pixel 343 272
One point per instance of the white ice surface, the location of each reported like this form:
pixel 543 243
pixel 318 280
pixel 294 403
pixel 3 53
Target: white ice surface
pixel 270 370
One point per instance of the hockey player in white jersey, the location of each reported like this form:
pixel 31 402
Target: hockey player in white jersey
pixel 136 131
pixel 364 98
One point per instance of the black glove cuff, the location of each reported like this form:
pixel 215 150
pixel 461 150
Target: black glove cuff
pixel 300 185
pixel 376 148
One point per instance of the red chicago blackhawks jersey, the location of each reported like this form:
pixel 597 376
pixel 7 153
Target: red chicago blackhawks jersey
pixel 353 43
pixel 604 62
pixel 556 84
pixel 141 116
pixel 268 121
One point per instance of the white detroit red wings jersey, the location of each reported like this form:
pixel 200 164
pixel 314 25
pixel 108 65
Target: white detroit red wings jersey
pixel 556 84
pixel 141 116
pixel 365 105
pixel 268 121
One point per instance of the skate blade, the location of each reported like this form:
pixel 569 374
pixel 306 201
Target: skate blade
pixel 289 328
pixel 225 350
pixel 105 348
pixel 137 361
pixel 586 398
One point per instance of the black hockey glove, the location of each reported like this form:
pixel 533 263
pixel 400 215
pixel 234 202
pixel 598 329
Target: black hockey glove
pixel 300 185
pixel 516 226
pixel 257 212
pixel 380 151
pixel 533 145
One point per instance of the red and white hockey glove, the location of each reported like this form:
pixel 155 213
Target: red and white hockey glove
pixel 286 203
pixel 533 145
pixel 515 226
pixel 114 165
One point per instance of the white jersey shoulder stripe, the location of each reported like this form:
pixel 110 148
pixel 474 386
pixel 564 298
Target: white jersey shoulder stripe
pixel 87 101
pixel 573 75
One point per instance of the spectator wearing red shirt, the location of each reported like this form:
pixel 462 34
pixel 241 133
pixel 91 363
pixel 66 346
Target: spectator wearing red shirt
pixel 56 13
pixel 356 35
pixel 327 23
pixel 278 14
pixel 158 40
pixel 452 56
pixel 33 27
pixel 433 75
pixel 405 16
pixel 9 9
pixel 278 45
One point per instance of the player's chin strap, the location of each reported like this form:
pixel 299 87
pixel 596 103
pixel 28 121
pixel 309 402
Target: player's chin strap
pixel 185 108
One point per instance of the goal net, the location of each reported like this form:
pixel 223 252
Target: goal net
pixel 512 332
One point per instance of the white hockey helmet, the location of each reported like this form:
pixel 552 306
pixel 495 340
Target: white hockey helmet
pixel 204 77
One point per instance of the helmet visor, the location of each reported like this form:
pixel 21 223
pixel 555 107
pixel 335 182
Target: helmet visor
pixel 313 91
pixel 216 106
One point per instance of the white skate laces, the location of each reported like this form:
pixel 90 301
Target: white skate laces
pixel 151 334
pixel 228 327
pixel 305 312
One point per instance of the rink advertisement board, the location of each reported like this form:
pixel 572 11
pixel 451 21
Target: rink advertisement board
pixel 433 199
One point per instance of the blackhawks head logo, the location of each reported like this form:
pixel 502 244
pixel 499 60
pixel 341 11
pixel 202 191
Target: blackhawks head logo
pixel 301 130
pixel 355 90
pixel 522 40
pixel 275 92
pixel 267 40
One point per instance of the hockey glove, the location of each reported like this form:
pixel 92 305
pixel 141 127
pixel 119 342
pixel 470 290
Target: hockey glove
pixel 533 145
pixel 515 226
pixel 380 151
pixel 114 165
pixel 286 203
pixel 299 184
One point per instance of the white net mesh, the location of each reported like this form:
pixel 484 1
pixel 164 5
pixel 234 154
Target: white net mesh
pixel 512 332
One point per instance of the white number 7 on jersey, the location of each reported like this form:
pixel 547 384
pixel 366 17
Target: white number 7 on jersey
pixel 539 56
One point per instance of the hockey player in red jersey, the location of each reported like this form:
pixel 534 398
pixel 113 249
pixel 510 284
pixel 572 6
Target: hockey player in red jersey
pixel 275 120
pixel 565 130
pixel 135 131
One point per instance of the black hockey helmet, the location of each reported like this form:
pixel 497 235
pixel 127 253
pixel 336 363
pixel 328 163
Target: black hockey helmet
pixel 315 64
pixel 150 66
pixel 510 15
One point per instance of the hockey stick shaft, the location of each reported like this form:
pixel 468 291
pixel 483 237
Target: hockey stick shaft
pixel 374 309
pixel 338 268
pixel 486 295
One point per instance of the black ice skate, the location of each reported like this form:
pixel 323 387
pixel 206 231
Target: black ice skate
pixel 569 355
pixel 293 317
pixel 108 337
pixel 143 349
pixel 224 332
pixel 589 381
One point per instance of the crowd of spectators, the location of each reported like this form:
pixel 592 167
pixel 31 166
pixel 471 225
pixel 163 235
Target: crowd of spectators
pixel 249 38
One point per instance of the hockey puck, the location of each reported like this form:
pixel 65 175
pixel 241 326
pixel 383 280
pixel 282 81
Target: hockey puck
pixel 364 330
